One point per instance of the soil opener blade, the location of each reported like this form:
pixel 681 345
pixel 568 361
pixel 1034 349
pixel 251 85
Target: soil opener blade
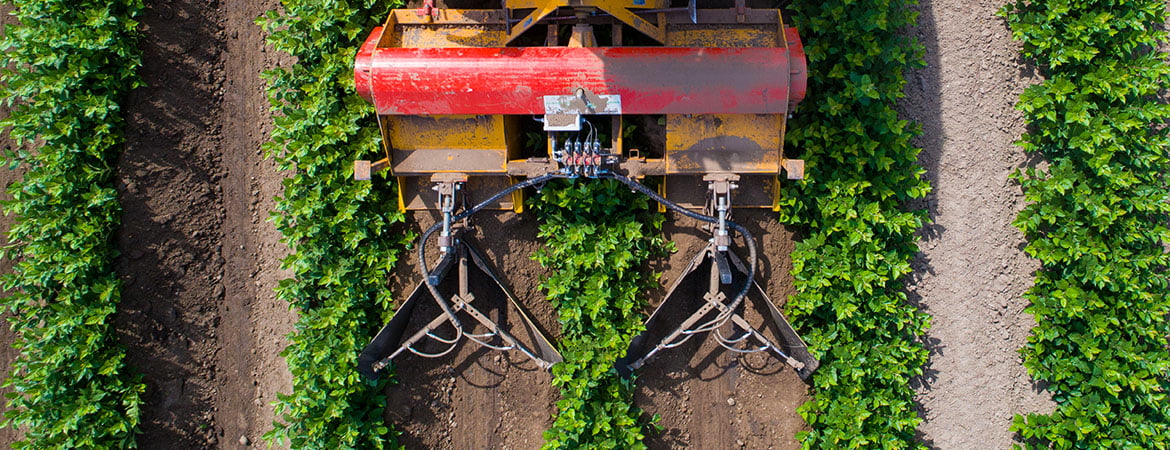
pixel 470 269
pixel 697 302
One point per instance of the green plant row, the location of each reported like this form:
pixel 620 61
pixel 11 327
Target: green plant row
pixel 859 238
pixel 598 235
pixel 1097 221
pixel 70 65
pixel 340 231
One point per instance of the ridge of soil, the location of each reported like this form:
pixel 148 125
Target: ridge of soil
pixel 199 317
pixel 972 271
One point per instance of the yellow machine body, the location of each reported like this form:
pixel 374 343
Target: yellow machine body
pixel 484 147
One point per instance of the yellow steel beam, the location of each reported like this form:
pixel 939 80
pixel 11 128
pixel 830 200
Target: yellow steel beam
pixel 651 4
pixel 542 10
pixel 619 9
pixel 658 32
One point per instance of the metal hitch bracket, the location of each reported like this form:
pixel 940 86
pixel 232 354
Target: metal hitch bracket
pixel 726 273
pixel 446 330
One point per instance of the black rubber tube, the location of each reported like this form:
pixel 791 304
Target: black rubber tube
pixel 747 236
pixel 422 246
pixel 636 186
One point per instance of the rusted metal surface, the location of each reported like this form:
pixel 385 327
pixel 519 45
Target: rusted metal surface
pixel 474 161
pixel 451 17
pixel 733 143
pixel 422 145
pixel 629 4
pixel 447 132
pixel 722 35
pixel 690 191
pixel 418 194
pixel 622 10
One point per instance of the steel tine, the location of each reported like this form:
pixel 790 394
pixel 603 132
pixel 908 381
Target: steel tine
pixel 792 344
pixel 388 340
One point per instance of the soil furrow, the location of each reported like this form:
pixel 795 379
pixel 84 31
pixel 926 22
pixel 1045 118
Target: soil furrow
pixel 172 226
pixel 254 322
pixel 199 262
pixel 971 272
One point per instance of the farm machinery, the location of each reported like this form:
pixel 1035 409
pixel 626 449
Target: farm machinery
pixel 477 105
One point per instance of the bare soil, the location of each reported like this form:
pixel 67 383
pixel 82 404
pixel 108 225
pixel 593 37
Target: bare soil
pixel 477 398
pixel 708 397
pixel 199 317
pixel 972 270
pixel 201 322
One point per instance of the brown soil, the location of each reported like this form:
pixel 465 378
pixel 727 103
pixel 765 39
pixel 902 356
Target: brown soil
pixel 199 317
pixel 200 320
pixel 972 269
pixel 708 397
pixel 477 398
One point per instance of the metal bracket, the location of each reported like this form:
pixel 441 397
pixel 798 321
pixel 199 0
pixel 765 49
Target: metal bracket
pixel 427 11
pixel 448 186
pixel 464 262
pixel 734 333
pixel 563 112
pixel 794 167
pixel 363 169
pixel 721 185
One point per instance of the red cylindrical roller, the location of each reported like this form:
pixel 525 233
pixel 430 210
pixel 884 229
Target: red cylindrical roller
pixel 650 80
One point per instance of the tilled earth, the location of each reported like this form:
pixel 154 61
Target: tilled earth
pixel 199 261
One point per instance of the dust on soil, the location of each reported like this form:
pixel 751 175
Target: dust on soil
pixel 971 272
pixel 198 315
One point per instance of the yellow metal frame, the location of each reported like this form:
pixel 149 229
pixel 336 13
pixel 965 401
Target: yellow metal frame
pixel 619 9
pixel 460 143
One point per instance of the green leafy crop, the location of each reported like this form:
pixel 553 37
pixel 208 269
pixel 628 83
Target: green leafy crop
pixel 71 63
pixel 598 235
pixel 341 231
pixel 850 304
pixel 1097 221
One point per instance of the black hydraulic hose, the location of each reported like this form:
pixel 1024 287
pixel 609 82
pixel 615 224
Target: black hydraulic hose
pixel 747 236
pixel 422 245
pixel 636 186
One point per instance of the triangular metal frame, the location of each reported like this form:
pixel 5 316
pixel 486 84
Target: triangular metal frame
pixel 389 343
pixel 726 271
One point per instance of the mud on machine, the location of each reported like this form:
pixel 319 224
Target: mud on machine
pixel 462 94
